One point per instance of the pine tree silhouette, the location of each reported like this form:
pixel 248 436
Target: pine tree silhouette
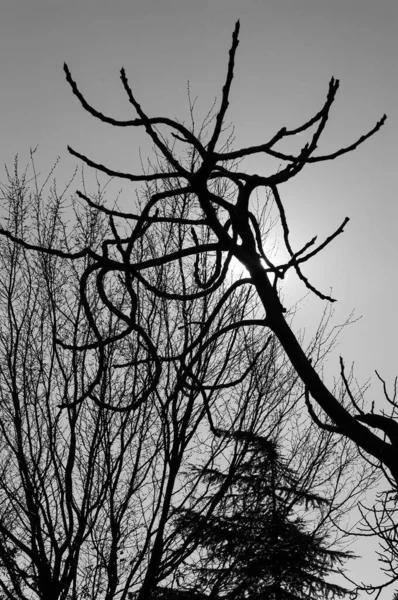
pixel 258 544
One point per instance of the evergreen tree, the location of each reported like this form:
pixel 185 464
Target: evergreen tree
pixel 258 543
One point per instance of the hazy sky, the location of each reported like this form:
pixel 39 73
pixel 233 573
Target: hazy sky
pixel 288 51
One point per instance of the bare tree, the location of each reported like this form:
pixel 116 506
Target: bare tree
pixel 86 491
pixel 95 442
pixel 150 296
pixel 380 519
pixel 225 227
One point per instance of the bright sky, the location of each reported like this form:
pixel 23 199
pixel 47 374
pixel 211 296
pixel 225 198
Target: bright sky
pixel 288 51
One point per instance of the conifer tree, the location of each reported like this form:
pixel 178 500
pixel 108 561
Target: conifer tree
pixel 258 543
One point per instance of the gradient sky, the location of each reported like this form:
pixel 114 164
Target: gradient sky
pixel 288 51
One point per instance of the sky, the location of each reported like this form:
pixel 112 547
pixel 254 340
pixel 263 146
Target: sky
pixel 289 50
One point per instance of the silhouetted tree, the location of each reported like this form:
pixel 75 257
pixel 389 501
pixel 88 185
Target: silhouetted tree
pixel 262 541
pixel 217 212
pixel 152 291
pixel 86 487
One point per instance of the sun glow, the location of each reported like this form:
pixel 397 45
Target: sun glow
pixel 238 270
pixel 275 255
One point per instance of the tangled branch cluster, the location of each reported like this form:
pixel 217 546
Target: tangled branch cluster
pixel 208 227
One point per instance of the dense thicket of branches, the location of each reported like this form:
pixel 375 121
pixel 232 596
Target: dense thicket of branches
pixel 150 347
pixel 89 489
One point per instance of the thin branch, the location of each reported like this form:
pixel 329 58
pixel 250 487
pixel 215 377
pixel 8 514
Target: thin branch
pixel 150 130
pixel 386 394
pixel 136 217
pixel 52 251
pixel 173 256
pixel 121 175
pixel 333 155
pixel 294 262
pixel 347 387
pixel 315 418
pixel 325 243
pixel 225 91
pixel 188 136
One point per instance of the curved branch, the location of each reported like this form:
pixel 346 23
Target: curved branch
pixel 52 251
pixel 294 262
pixel 178 254
pixel 189 137
pixel 125 215
pixel 120 174
pixel 332 155
pixel 149 129
pixel 252 363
